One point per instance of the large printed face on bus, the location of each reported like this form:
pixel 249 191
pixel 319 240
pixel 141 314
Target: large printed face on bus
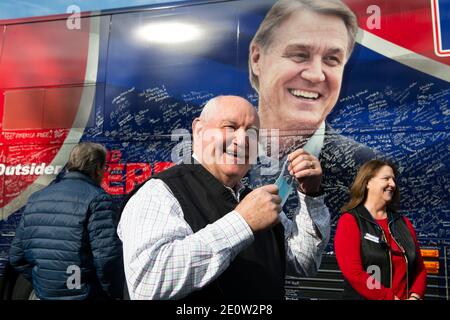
pixel 225 138
pixel 300 73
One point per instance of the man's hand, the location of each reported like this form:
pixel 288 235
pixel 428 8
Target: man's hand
pixel 260 207
pixel 307 170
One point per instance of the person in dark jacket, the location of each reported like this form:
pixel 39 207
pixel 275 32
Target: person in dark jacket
pixel 66 242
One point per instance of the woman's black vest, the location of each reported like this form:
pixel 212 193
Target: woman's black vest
pixel 258 271
pixel 378 254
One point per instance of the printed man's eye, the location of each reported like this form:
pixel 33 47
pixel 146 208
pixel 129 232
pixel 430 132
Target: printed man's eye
pixel 297 56
pixel 333 60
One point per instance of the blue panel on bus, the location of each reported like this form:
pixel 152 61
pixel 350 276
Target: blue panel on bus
pixel 165 80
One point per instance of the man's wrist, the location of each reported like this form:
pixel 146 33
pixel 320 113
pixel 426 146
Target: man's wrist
pixel 313 194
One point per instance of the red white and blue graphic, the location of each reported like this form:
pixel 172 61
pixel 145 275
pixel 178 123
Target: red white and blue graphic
pixel 441 27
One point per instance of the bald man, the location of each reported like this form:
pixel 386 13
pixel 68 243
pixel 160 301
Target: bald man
pixel 194 231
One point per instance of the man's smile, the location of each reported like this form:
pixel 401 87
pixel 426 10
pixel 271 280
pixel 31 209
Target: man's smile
pixel 310 95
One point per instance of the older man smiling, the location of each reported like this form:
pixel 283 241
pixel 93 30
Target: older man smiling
pixel 195 231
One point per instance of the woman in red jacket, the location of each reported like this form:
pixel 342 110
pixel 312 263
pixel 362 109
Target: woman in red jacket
pixel 376 247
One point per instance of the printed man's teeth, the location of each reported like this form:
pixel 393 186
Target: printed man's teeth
pixel 305 94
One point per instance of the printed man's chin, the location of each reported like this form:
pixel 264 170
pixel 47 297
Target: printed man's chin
pixel 302 120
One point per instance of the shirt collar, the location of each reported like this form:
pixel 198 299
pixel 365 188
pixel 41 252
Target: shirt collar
pixel 315 143
pixel 194 156
pixel 239 187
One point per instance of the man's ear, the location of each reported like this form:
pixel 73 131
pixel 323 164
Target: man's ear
pixel 255 55
pixel 197 126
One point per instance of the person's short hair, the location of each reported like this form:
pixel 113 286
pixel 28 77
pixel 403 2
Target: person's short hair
pixel 283 9
pixel 358 191
pixel 87 157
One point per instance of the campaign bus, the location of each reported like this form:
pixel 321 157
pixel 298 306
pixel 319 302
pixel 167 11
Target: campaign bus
pixel 132 75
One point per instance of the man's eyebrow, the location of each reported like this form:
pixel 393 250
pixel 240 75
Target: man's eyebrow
pixel 306 47
pixel 227 122
pixel 340 51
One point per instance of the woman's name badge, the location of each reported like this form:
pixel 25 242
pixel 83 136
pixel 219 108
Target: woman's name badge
pixel 372 238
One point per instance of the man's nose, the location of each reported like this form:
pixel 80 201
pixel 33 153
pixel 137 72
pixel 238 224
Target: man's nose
pixel 240 137
pixel 313 71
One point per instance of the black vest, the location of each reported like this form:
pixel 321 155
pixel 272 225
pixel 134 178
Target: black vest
pixel 258 271
pixel 378 254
